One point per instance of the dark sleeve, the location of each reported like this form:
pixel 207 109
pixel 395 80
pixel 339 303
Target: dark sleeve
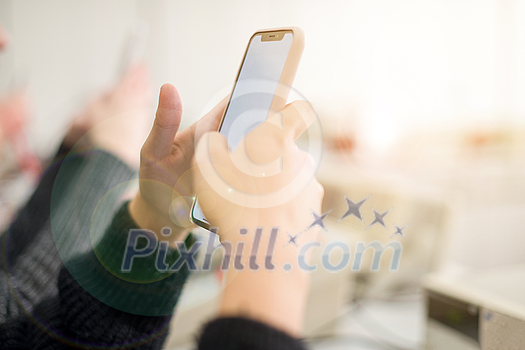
pixel 69 191
pixel 33 216
pixel 87 312
pixel 243 333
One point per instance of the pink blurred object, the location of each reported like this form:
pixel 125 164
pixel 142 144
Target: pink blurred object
pixel 4 38
pixel 27 161
pixel 14 113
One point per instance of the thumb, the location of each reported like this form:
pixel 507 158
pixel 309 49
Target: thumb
pixel 294 118
pixel 166 124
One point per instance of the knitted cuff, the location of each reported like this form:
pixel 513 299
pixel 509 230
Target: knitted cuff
pixel 143 290
pixel 243 333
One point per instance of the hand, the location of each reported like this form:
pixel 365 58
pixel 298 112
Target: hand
pixel 117 120
pixel 234 194
pixel 267 181
pixel 165 166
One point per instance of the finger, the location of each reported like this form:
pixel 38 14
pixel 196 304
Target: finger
pixel 265 144
pixel 295 118
pixel 212 149
pixel 214 178
pixel 211 121
pixel 167 121
pixel 213 158
pixel 220 187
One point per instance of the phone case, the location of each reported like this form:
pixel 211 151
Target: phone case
pixel 286 80
pixel 289 69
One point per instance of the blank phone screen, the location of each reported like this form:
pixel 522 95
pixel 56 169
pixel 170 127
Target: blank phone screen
pixel 253 93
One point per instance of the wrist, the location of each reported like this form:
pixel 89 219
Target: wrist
pixel 276 297
pixel 275 291
pixel 148 218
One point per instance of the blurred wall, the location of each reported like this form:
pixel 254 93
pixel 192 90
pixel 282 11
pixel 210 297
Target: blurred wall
pixel 403 64
pixel 380 68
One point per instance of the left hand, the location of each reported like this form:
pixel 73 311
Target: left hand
pixel 165 174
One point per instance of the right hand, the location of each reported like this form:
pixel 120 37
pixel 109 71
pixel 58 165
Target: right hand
pixel 272 296
pixel 231 187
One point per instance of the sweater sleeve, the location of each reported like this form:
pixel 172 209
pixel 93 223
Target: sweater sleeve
pixel 90 305
pixel 29 260
pixel 32 217
pixel 89 315
pixel 243 333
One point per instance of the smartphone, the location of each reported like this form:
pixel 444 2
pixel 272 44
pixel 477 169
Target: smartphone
pixel 262 85
pixel 134 48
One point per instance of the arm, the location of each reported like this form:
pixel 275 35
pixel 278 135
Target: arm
pixel 260 306
pixel 78 177
pixel 81 313
pixel 92 281
pixel 29 260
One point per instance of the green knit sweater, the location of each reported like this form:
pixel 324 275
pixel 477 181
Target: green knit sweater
pixel 62 285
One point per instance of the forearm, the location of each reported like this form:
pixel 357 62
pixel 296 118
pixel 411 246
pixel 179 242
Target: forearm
pixel 96 306
pixel 141 300
pixel 140 288
pixel 275 298
pixel 265 282
pixel 32 217
pixel 31 250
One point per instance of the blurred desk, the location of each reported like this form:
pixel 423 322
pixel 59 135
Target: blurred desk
pixel 379 325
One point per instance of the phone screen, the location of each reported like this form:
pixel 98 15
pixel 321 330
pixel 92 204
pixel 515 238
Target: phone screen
pixel 252 94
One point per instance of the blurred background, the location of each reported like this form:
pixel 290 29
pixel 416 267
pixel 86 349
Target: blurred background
pixel 422 105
